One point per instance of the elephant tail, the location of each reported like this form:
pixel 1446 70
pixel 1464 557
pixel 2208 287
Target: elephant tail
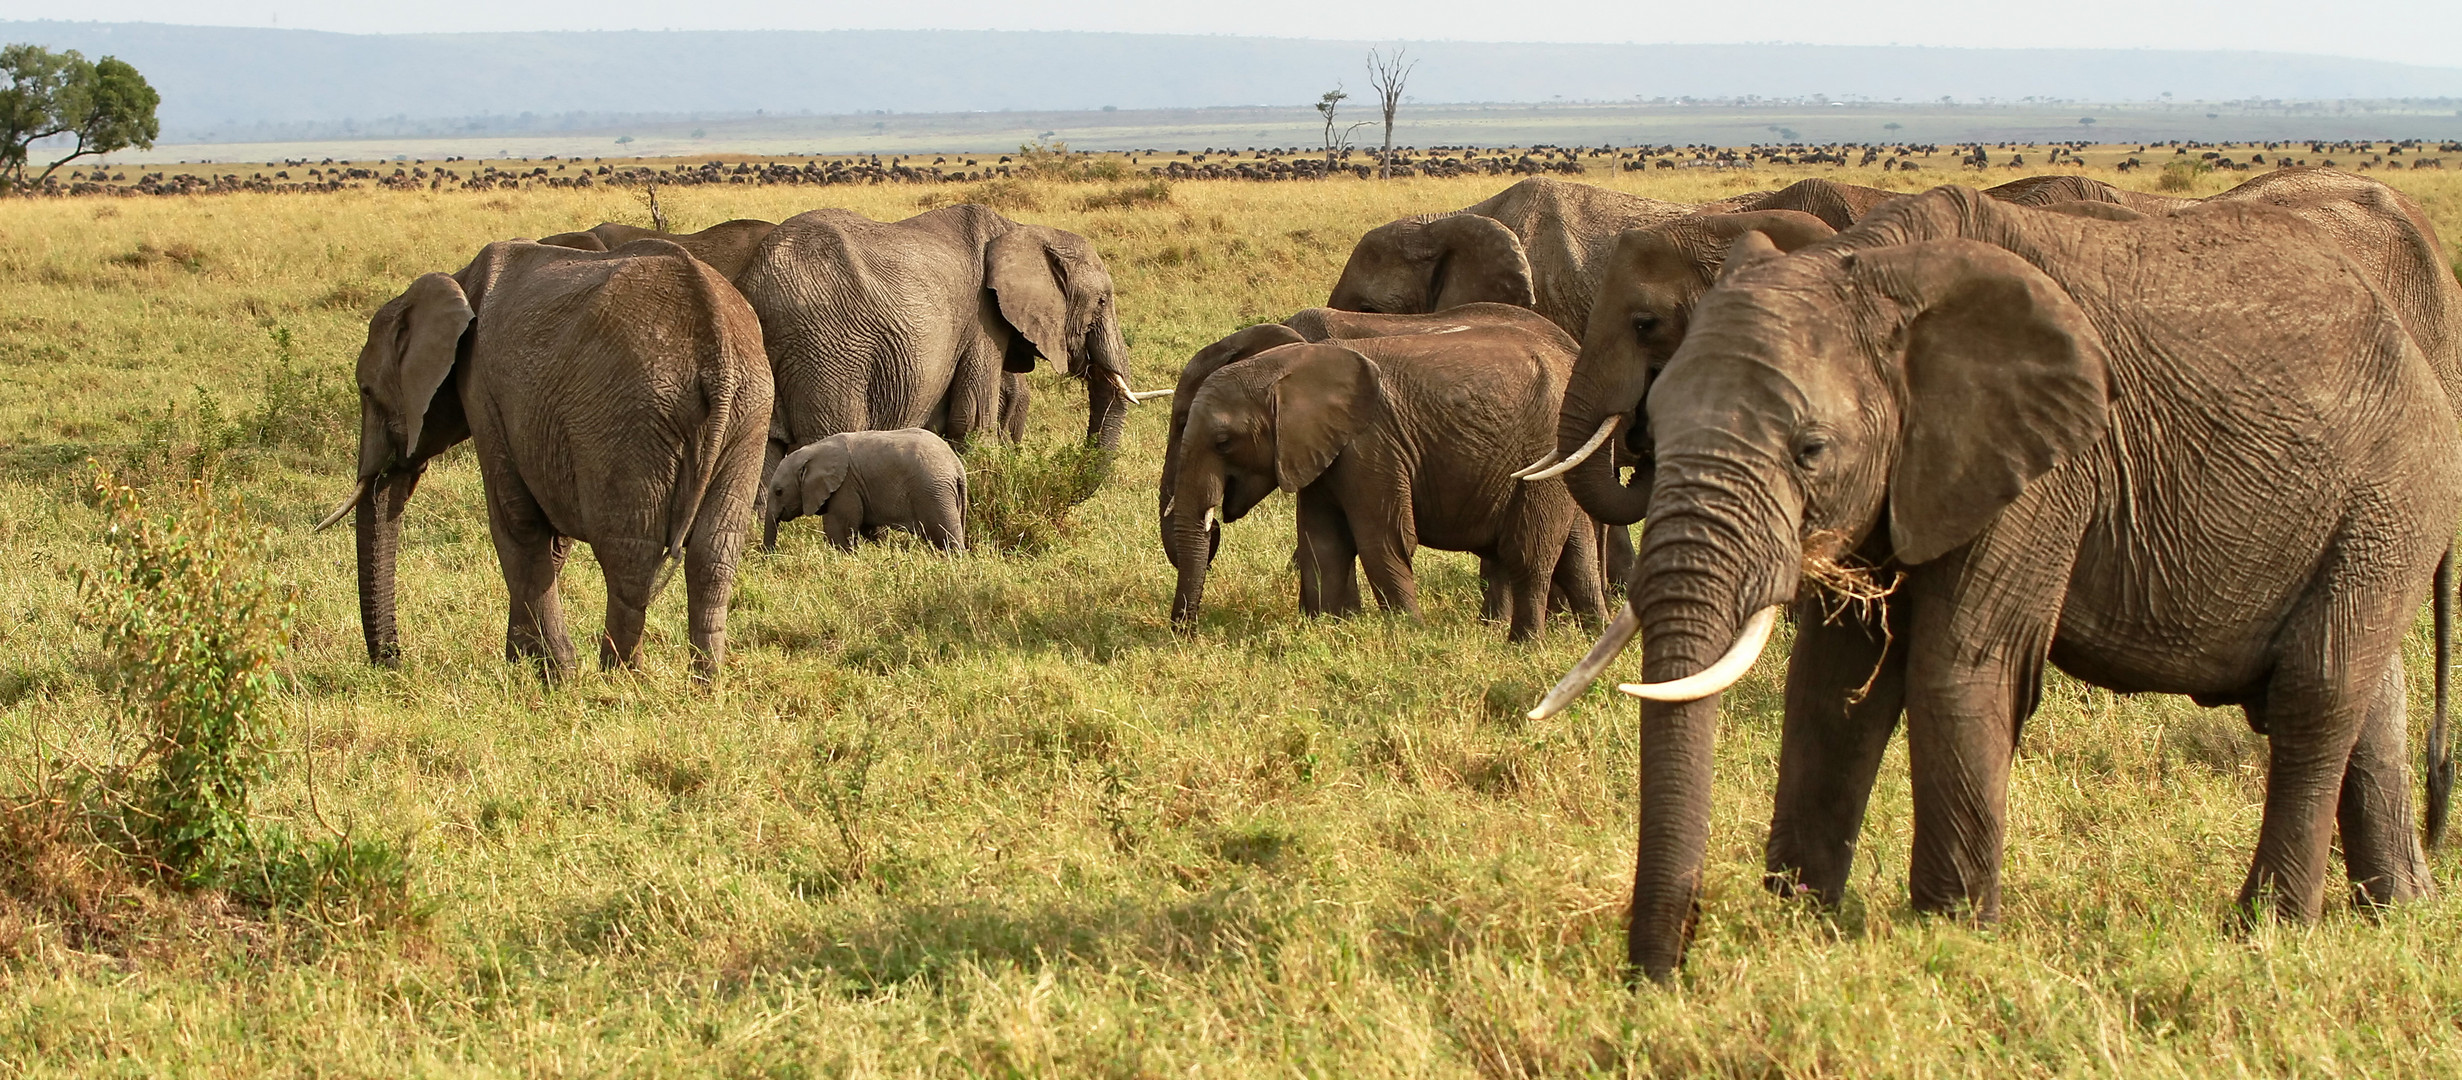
pixel 2440 754
pixel 723 402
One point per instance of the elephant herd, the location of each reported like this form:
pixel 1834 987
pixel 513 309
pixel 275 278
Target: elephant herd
pixel 2206 447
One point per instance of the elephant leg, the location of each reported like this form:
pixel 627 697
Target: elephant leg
pixel 1326 558
pixel 1980 625
pixel 1385 558
pixel 531 556
pixel 773 451
pixel 1616 556
pixel 1846 685
pixel 709 581
pixel 2379 846
pixel 1495 592
pixel 2314 710
pixel 1015 395
pixel 1577 576
pixel 631 567
pixel 842 519
pixel 1533 545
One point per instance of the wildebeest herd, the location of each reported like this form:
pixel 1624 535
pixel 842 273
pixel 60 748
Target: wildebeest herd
pixel 2205 447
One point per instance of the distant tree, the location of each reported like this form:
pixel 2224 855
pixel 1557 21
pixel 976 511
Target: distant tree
pixel 2086 120
pixel 1335 144
pixel 1388 77
pixel 105 105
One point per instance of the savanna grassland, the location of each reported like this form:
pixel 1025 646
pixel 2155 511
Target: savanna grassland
pixel 991 815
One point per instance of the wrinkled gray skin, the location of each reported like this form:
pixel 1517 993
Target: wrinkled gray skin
pixel 730 247
pixel 1389 443
pixel 884 325
pixel 727 246
pixel 861 482
pixel 618 398
pixel 2071 433
pixel 1650 277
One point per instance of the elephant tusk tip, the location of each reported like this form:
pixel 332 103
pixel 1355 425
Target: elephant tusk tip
pixel 357 496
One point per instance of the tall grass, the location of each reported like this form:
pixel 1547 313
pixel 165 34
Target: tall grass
pixel 994 816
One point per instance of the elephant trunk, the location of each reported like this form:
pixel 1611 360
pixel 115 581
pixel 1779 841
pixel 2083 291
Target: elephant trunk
pixel 378 525
pixel 1189 532
pixel 1594 482
pixel 769 525
pixel 1106 385
pixel 1697 578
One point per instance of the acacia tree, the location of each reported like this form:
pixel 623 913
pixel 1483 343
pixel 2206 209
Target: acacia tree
pixel 1335 144
pixel 1388 77
pixel 105 105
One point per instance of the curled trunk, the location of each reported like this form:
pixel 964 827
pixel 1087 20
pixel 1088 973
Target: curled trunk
pixel 377 523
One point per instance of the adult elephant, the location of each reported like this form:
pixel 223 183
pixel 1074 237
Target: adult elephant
pixel 1836 205
pixel 885 325
pixel 615 398
pixel 727 246
pixel 1535 244
pixel 1389 442
pixel 2069 463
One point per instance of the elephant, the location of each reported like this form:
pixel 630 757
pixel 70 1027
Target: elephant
pixel 727 246
pixel 616 398
pixel 1389 442
pixel 1334 324
pixel 1837 205
pixel 884 325
pixel 1534 244
pixel 2193 453
pixel 861 482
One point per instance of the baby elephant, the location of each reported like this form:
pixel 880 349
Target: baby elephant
pixel 861 482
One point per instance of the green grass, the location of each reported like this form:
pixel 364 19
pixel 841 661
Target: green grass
pixel 990 815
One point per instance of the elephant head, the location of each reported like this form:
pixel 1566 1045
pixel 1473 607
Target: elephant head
pixel 1232 349
pixel 1816 397
pixel 409 412
pixel 1426 264
pixel 1054 292
pixel 1645 303
pixel 803 484
pixel 1274 421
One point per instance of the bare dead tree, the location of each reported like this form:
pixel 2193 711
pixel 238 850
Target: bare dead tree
pixel 1388 75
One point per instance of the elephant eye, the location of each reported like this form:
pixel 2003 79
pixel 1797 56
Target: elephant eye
pixel 1809 452
pixel 1644 324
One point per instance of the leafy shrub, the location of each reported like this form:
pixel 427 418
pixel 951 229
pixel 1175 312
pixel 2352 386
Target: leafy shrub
pixel 1018 497
pixel 302 408
pixel 2181 173
pixel 194 627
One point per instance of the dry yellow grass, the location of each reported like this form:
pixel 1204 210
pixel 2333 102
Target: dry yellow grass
pixel 992 816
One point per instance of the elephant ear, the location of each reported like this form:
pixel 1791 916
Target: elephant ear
pixel 421 330
pixel 823 472
pixel 1325 396
pixel 1025 277
pixel 1751 246
pixel 578 241
pixel 2005 379
pixel 1478 260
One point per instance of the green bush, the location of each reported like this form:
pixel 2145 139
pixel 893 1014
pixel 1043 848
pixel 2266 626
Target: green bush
pixel 2181 173
pixel 1018 497
pixel 1129 196
pixel 303 408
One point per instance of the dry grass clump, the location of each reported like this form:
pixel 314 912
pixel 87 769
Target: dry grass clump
pixel 1128 196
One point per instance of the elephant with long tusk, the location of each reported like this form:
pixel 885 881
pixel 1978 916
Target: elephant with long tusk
pixel 2201 453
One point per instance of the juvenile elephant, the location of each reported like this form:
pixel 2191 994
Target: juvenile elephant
pixel 1535 244
pixel 2196 453
pixel 861 482
pixel 616 398
pixel 884 325
pixel 1389 443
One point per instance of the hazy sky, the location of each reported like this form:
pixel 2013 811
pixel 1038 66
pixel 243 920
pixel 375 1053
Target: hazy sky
pixel 2413 31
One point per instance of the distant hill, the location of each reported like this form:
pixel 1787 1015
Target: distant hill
pixel 234 84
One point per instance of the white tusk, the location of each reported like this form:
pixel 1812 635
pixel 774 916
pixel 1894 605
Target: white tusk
pixel 1718 676
pixel 1606 427
pixel 347 505
pixel 1577 681
pixel 1121 382
pixel 1149 395
pixel 1535 466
